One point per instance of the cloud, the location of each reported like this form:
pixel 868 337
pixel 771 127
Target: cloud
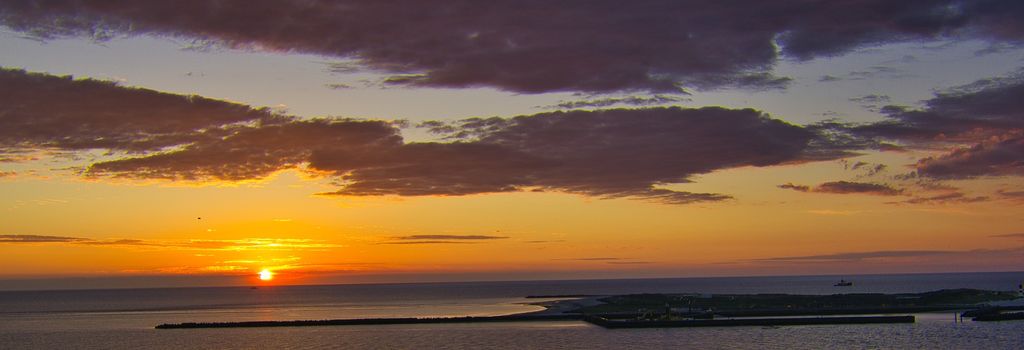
pixel 38 239
pixel 883 255
pixel 1010 235
pixel 984 120
pixel 538 46
pixel 449 237
pixel 619 153
pixel 254 152
pixel 950 197
pixel 199 244
pixel 45 111
pixel 610 260
pixel 969 113
pixel 607 154
pixel 846 187
pixel 830 212
pixel 594 259
pixel 4 174
pixel 791 186
pixel 612 101
pixel 443 239
pixel 858 256
pixel 118 242
pixel 1003 156
pixel 427 242
pixel 1011 194
pixel 614 153
pixel 871 102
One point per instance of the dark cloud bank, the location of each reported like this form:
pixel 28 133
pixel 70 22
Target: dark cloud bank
pixel 606 153
pixel 524 46
pixel 537 46
pixel 613 153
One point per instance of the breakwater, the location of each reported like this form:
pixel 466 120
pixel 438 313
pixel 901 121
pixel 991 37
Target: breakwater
pixel 371 321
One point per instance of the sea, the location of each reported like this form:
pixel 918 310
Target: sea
pixel 125 318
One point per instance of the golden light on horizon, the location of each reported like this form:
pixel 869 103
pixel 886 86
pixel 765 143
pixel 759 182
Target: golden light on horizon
pixel 266 275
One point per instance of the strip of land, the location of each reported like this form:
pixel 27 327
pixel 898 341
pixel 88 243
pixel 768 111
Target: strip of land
pixel 705 310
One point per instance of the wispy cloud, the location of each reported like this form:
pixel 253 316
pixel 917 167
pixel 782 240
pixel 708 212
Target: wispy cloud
pixel 830 212
pixel 857 256
pixel 427 242
pixel 38 239
pixel 846 187
pixel 544 241
pixel 944 198
pixel 194 244
pixel 450 237
pixel 1010 235
pixel 609 260
pixel 883 255
pixel 443 239
pixel 593 259
pixel 613 101
pixel 1019 195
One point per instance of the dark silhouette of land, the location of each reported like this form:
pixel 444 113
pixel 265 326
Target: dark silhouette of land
pixel 705 310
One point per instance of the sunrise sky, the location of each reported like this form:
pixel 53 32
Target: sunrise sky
pixel 188 143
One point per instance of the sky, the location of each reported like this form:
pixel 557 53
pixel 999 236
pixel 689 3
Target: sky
pixel 197 143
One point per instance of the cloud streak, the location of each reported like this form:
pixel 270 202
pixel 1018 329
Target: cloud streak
pixel 449 237
pixel 14 239
pixel 537 46
pixel 195 244
pixel 857 256
pixel 983 256
pixel 846 187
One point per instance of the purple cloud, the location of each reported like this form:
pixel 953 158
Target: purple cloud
pixel 606 154
pixel 616 153
pixel 45 111
pixel 991 158
pixel 846 187
pixel 537 46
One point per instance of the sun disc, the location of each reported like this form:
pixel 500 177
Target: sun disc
pixel 266 275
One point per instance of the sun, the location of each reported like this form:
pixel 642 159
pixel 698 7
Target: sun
pixel 266 275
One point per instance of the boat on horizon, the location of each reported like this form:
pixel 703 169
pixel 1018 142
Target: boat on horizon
pixel 843 283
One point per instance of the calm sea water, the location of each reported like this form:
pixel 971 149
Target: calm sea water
pixel 105 319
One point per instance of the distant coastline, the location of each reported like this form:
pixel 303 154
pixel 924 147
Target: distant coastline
pixel 698 310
